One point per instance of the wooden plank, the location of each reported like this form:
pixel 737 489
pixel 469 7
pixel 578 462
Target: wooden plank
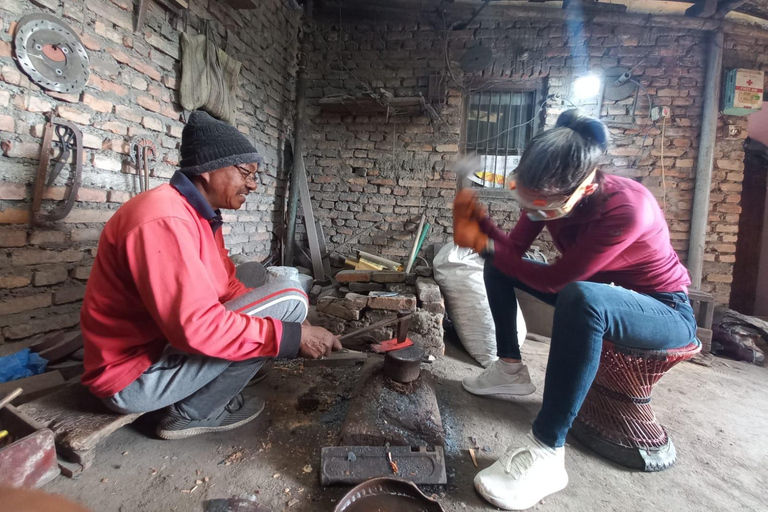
pixel 78 419
pixel 69 344
pixel 33 387
pixel 309 220
pixel 68 369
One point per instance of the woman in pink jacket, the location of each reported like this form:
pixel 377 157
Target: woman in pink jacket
pixel 618 278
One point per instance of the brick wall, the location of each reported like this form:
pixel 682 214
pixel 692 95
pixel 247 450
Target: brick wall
pixel 728 174
pixel 366 169
pixel 132 91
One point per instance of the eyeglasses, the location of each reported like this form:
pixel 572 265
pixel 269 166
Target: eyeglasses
pixel 553 207
pixel 248 175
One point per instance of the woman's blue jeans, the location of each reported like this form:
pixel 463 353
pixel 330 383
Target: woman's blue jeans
pixel 585 313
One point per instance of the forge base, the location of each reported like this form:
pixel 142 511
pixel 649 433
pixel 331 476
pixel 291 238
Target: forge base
pixel 382 411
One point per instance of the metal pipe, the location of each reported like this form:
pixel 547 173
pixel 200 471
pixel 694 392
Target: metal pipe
pixel 700 212
pixel 412 256
pixel 299 125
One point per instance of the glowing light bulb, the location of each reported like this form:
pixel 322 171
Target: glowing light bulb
pixel 587 86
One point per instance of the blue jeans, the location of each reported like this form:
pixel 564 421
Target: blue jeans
pixel 585 313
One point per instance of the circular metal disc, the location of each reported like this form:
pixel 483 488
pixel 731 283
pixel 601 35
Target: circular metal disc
pixel 51 53
pixel 476 59
pixel 614 91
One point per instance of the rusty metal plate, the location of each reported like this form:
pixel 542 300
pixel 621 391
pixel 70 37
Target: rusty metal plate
pixel 355 464
pixel 391 494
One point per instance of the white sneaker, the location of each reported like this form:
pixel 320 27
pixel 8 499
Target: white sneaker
pixel 495 381
pixel 521 478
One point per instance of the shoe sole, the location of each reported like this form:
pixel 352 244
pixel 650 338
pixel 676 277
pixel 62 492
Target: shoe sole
pixel 184 433
pixel 505 505
pixel 515 390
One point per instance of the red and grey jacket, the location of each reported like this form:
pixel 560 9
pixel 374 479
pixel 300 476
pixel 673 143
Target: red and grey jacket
pixel 162 275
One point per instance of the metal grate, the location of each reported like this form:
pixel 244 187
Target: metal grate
pixel 499 124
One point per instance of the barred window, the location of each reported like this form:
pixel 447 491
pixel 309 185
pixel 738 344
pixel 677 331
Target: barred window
pixel 499 125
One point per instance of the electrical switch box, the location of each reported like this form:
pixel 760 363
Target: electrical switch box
pixel 743 92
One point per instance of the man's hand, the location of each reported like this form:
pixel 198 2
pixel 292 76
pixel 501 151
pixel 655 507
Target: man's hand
pixel 317 342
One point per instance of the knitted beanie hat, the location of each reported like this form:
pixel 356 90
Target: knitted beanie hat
pixel 208 144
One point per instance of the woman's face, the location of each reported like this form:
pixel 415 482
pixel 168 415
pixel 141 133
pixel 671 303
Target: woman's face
pixel 542 207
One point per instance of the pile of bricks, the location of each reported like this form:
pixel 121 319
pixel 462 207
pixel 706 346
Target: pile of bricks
pixel 359 298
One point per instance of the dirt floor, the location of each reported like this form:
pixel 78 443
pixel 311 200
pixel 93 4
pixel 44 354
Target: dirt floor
pixel 716 415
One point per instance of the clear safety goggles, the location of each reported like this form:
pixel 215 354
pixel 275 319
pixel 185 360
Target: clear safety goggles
pixel 552 207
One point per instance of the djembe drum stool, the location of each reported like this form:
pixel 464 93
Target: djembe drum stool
pixel 616 420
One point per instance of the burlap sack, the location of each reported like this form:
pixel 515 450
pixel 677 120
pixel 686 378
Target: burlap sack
pixel 208 77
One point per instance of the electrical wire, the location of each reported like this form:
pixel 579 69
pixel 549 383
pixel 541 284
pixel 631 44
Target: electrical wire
pixel 663 170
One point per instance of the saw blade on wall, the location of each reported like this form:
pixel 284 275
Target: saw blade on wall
pixel 51 54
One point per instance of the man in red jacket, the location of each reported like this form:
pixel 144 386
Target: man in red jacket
pixel 165 321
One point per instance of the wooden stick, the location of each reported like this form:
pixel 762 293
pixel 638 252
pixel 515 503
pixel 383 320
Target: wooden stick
pixel 10 396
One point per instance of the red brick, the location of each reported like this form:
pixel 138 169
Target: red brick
pixel 118 196
pixel 353 276
pixel 91 141
pixel 14 281
pixel 111 13
pixel 447 148
pixel 15 149
pixel 97 104
pixel 32 104
pixel 11 75
pixel 107 163
pixel 89 42
pixel 17 305
pixel 55 193
pixel 116 145
pixel 5 49
pixel 107 86
pixel 91 195
pixel 149 103
pixel 84 216
pixel 81 273
pixel 38 237
pixel 41 256
pixel 85 234
pixel 48 277
pixel 139 83
pixel 5 98
pixel 397 303
pixel 74 115
pixel 70 98
pixel 719 278
pixel 102 30
pixel 114 127
pixel 7 123
pixel 12 237
pixel 731 165
pixel 152 124
pixel 68 294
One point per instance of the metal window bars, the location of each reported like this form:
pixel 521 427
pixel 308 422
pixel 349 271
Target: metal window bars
pixel 499 124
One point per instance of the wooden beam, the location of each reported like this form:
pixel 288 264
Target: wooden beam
pixel 727 6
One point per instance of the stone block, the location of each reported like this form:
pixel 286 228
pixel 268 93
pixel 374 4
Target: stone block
pixel 336 307
pixel 387 301
pixel 401 288
pixel 353 276
pixel 19 304
pixel 436 308
pixel 81 273
pixel 423 271
pixel 388 277
pixel 355 302
pixel 427 290
pixel 13 238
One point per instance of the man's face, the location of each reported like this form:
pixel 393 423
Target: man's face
pixel 228 187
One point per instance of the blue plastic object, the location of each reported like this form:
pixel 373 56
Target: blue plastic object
pixel 23 363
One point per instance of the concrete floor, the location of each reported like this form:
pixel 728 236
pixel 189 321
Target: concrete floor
pixel 717 417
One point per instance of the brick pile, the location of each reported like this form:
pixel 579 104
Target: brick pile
pixel 359 298
pixel 133 90
pixel 389 168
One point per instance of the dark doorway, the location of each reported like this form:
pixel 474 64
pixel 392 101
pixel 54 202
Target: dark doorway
pixel 749 292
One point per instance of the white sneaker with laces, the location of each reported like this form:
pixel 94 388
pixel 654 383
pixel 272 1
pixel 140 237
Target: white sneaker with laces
pixel 496 381
pixel 521 478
